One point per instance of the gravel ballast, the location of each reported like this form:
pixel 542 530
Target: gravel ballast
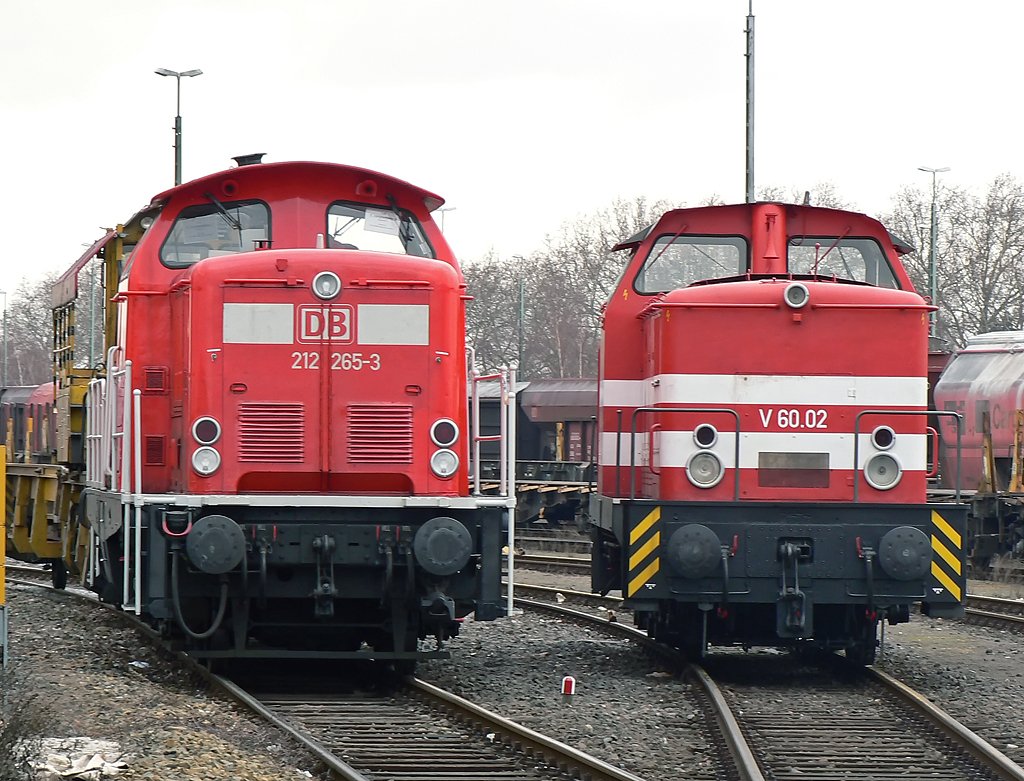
pixel 90 675
pixel 97 678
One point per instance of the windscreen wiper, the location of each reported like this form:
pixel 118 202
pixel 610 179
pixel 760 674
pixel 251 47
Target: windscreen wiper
pixel 232 221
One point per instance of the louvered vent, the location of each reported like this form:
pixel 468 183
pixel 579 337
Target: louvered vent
pixel 271 432
pixel 155 379
pixel 154 449
pixel 379 434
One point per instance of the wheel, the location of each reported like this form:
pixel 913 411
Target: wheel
pixel 58 574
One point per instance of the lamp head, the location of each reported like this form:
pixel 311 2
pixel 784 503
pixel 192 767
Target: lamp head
pixel 165 72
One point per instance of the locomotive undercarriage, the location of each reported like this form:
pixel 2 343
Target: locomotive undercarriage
pixel 301 581
pixel 811 576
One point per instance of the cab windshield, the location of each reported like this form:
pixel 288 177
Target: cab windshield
pixel 375 228
pixel 678 261
pixel 213 229
pixel 859 260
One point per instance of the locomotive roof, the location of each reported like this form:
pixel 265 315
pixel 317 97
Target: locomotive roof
pixel 901 246
pixel 305 167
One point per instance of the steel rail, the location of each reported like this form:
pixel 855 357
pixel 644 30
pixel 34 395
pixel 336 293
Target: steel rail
pixel 541 560
pixel 342 770
pixel 519 737
pixel 982 751
pixel 579 596
pixel 525 739
pixel 745 765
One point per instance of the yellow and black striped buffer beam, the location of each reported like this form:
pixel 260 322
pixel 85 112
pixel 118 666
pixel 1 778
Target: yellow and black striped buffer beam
pixel 644 543
pixel 947 558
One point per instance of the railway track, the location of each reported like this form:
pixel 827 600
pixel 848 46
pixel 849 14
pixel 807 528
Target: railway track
pixel 417 731
pixel 412 731
pixel 825 721
pixel 996 612
pixel 572 564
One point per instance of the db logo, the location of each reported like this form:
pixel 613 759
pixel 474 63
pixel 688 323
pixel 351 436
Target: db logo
pixel 325 324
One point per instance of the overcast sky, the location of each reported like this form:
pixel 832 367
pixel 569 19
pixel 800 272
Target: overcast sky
pixel 522 115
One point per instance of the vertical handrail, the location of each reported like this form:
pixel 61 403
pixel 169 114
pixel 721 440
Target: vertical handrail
pixel 475 414
pixel 503 433
pixel 126 485
pixel 137 493
pixel 509 398
pixel 506 476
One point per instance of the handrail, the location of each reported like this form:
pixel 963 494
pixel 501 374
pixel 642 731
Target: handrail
pixel 712 410
pixel 137 498
pixel 926 412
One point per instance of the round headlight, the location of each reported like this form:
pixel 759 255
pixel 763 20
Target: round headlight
pixel 882 471
pixel 705 435
pixel 704 469
pixel 444 463
pixel 206 460
pixel 326 285
pixel 444 432
pixel 883 437
pixel 796 295
pixel 206 431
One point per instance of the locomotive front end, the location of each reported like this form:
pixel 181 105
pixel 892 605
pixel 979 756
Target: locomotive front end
pixel 765 460
pixel 309 495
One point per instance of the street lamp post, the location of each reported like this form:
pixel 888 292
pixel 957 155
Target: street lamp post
pixel 442 210
pixel 932 265
pixel 177 117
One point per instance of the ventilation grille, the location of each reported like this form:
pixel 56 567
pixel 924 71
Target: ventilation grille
pixel 379 434
pixel 155 379
pixel 271 433
pixel 154 449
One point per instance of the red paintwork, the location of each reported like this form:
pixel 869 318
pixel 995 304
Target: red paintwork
pixel 985 376
pixel 172 326
pixel 741 326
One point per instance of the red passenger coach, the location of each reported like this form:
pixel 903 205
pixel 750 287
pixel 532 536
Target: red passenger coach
pixel 763 459
pixel 275 454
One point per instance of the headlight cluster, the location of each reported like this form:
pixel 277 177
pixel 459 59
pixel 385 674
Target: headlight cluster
pixel 704 469
pixel 444 462
pixel 206 459
pixel 883 470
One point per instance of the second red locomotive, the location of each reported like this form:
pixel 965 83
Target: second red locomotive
pixel 763 453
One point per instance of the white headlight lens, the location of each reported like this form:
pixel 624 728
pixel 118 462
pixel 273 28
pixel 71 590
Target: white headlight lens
pixel 444 432
pixel 704 469
pixel 444 463
pixel 882 471
pixel 326 285
pixel 206 461
pixel 796 295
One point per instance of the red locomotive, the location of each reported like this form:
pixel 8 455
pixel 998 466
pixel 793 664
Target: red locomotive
pixel 763 449
pixel 273 459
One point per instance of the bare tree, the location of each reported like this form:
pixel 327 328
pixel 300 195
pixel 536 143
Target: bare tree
pixel 28 337
pixel 979 255
pixel 492 327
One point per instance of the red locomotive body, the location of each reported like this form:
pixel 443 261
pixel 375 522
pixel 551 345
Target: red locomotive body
pixel 763 450
pixel 276 462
